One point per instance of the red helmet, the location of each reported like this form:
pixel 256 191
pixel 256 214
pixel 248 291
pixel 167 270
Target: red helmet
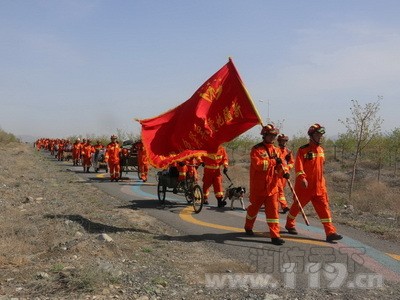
pixel 269 129
pixel 283 137
pixel 316 128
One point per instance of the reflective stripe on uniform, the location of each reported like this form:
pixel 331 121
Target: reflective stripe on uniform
pixel 300 173
pixel 250 218
pixel 273 221
pixel 214 156
pixel 266 163
pixel 291 217
pixel 211 167
pixel 327 220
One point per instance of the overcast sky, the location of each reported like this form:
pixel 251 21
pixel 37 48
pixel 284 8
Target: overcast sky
pixel 91 67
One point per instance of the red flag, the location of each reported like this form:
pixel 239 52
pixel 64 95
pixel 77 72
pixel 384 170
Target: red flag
pixel 219 111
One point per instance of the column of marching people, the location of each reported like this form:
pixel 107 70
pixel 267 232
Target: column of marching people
pixel 87 155
pixel 270 167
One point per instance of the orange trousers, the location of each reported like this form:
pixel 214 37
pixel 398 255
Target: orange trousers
pixel 143 169
pixel 114 169
pixel 321 206
pixel 281 196
pixel 212 177
pixel 271 212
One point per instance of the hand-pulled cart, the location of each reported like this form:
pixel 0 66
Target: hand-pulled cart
pixel 168 182
pixel 98 160
pixel 129 158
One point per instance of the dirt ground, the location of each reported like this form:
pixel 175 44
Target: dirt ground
pixel 62 238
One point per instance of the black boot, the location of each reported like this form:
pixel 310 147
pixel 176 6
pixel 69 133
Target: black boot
pixel 220 202
pixel 333 237
pixel 277 241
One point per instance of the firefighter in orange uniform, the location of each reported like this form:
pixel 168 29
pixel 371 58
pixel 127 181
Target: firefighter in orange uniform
pixel 87 151
pixel 192 165
pixel 143 161
pixel 310 184
pixel 113 159
pixel 212 174
pixel 60 150
pixel 52 145
pixel 98 146
pixel 76 150
pixel 266 169
pixel 286 155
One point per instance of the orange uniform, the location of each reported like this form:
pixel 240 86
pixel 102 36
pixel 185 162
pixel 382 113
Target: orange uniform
pixel 112 157
pixel 264 186
pixel 87 151
pixel 76 151
pixel 309 165
pixel 286 155
pixel 60 151
pixel 212 174
pixel 182 169
pixel 192 165
pixel 143 161
pixel 310 184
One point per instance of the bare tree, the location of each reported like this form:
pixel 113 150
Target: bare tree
pixel 363 124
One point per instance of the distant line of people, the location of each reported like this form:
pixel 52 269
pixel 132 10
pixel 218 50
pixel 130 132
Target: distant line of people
pixel 83 152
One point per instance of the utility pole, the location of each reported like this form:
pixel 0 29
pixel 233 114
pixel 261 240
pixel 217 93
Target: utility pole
pixel 268 119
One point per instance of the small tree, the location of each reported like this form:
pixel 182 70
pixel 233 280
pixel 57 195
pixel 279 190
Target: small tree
pixel 394 146
pixel 345 142
pixel 364 124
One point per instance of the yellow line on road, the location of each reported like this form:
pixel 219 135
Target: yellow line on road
pixel 394 256
pixel 187 213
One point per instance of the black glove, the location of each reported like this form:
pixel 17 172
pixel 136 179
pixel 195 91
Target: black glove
pixel 278 160
pixel 181 163
pixel 225 170
pixel 286 175
pixel 202 164
pixel 288 157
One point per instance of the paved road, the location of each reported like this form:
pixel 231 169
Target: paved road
pixel 358 261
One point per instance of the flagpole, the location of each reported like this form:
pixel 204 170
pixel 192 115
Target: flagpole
pixel 247 93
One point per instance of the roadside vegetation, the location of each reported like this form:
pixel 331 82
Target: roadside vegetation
pixel 6 137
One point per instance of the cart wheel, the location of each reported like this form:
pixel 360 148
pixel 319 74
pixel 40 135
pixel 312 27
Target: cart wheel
pixel 161 191
pixel 198 198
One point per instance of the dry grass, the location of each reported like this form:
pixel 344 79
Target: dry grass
pixel 6 138
pixel 374 204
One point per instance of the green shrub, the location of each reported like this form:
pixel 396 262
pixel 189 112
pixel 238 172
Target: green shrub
pixel 6 138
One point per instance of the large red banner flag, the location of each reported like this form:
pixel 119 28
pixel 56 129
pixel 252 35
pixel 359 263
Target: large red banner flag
pixel 220 110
